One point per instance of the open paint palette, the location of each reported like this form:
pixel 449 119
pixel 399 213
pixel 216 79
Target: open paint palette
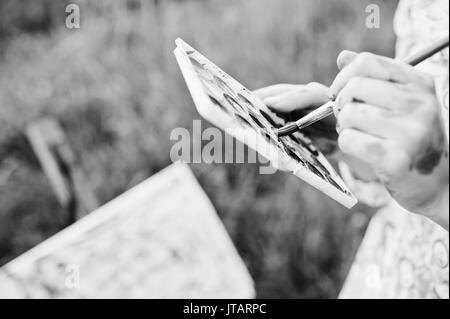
pixel 227 104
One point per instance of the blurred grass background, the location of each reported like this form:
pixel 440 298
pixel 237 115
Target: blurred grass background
pixel 115 87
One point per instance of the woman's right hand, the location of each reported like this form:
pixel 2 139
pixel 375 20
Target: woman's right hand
pixel 293 101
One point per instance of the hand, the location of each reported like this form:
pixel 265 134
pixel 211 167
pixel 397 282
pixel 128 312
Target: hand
pixel 292 101
pixel 388 115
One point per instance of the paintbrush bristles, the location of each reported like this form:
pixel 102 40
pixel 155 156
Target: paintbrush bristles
pixel 316 115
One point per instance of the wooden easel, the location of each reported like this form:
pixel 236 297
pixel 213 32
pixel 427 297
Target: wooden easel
pixel 59 164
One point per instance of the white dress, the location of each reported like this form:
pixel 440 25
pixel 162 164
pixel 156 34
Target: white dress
pixel 404 255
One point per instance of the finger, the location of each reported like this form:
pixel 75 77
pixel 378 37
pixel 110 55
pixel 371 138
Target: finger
pixel 369 119
pixel 337 108
pixel 272 90
pixel 399 98
pixel 310 95
pixel 366 147
pixel 345 57
pixel 386 158
pixel 374 66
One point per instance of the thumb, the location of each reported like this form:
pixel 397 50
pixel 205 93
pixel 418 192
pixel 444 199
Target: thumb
pixel 274 90
pixel 310 95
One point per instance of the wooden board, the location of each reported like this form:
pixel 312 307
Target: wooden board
pixel 60 166
pixel 161 239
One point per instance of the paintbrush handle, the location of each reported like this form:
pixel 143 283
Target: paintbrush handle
pixel 424 54
pixel 316 115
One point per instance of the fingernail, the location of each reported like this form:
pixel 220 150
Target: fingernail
pixel 343 62
pixel 338 128
pixel 272 101
pixel 332 96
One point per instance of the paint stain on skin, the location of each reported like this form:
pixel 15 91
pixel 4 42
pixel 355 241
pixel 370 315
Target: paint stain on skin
pixel 431 155
pixel 395 75
pixel 426 163
pixel 390 114
pixel 412 104
pixel 376 150
pixel 340 102
pixel 408 106
pixel 405 108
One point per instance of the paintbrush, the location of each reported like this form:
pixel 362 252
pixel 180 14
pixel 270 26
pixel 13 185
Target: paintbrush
pixel 327 109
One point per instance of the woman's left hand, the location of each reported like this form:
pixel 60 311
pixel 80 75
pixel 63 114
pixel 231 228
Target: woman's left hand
pixel 388 115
